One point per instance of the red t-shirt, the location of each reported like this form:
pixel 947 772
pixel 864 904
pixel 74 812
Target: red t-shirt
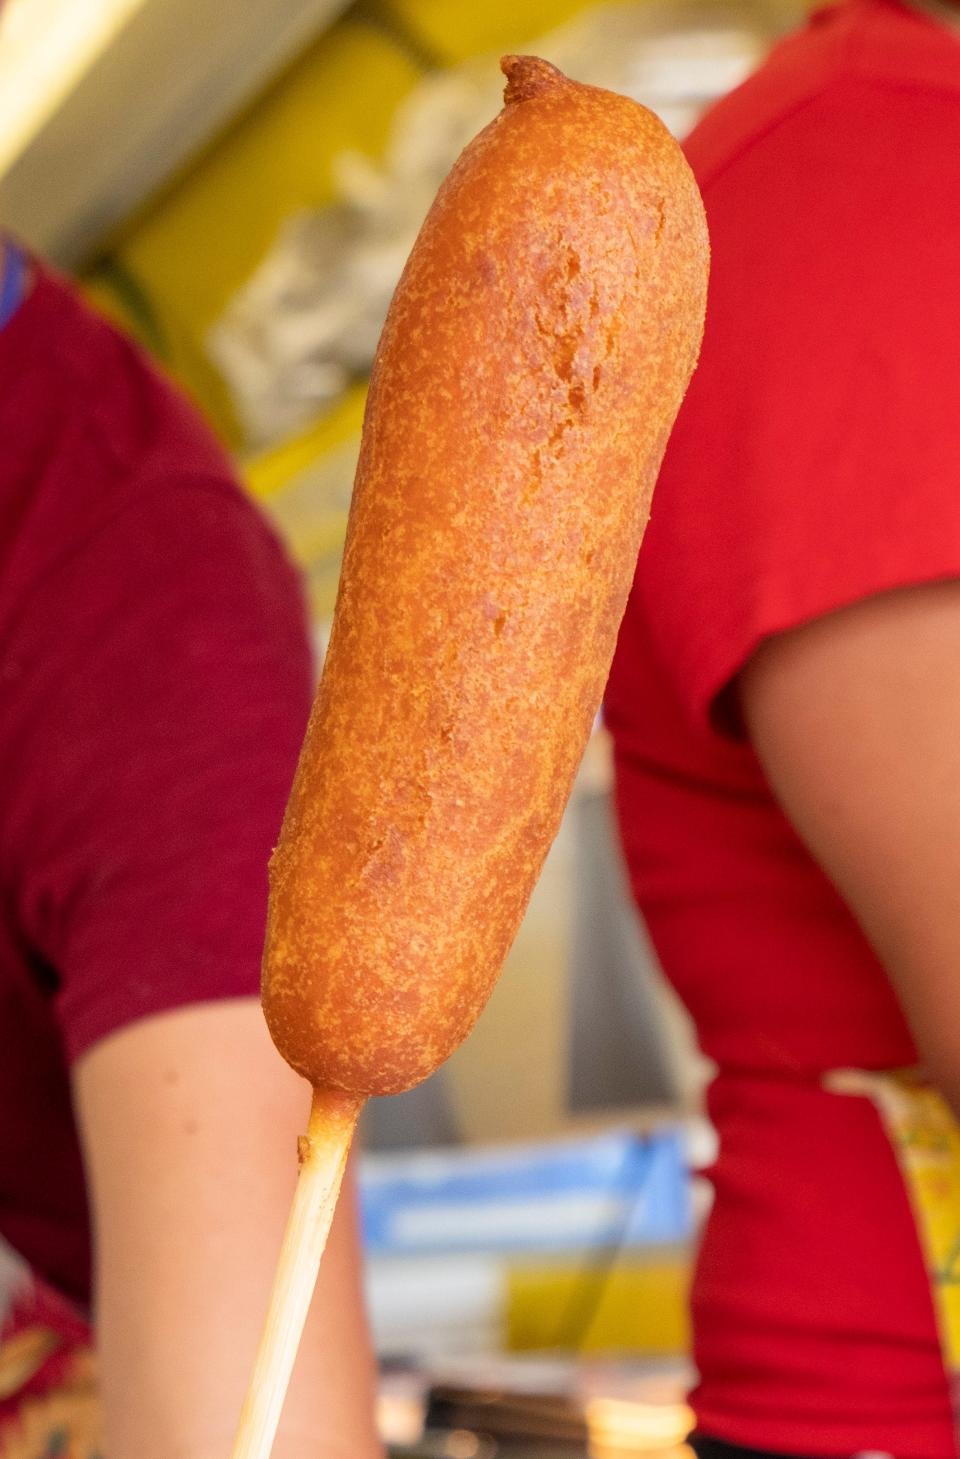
pixel 154 684
pixel 816 461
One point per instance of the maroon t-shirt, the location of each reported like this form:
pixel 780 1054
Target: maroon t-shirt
pixel 154 687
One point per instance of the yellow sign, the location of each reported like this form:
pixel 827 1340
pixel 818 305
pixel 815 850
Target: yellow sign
pixel 926 1140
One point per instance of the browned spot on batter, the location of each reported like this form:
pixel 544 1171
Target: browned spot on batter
pixel 534 481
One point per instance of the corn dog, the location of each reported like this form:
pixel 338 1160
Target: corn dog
pixel 531 366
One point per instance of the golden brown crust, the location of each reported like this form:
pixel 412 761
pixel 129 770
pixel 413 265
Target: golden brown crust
pixel 529 372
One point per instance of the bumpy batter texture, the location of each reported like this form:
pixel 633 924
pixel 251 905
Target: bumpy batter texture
pixel 535 355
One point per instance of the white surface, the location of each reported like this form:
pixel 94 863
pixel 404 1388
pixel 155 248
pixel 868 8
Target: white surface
pixel 45 47
pixel 102 100
pixel 436 1305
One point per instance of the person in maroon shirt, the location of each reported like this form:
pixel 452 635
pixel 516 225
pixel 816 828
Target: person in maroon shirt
pixel 154 686
pixel 785 704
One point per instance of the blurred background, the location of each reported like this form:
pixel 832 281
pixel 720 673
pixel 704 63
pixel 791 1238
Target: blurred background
pixel 238 185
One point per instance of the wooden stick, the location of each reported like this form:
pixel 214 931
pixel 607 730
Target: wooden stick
pixel 323 1157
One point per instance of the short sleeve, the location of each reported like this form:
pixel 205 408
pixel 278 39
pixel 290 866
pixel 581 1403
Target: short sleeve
pixel 166 682
pixel 816 460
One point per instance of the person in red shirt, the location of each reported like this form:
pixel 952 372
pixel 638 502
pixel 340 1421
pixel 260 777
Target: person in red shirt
pixel 155 682
pixel 785 704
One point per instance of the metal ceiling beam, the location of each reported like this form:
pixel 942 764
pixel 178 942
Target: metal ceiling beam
pixel 175 73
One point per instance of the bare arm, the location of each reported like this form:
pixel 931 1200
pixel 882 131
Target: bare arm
pixel 189 1121
pixel 856 720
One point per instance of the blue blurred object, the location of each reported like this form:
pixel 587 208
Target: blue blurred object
pixel 619 1188
pixel 12 280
